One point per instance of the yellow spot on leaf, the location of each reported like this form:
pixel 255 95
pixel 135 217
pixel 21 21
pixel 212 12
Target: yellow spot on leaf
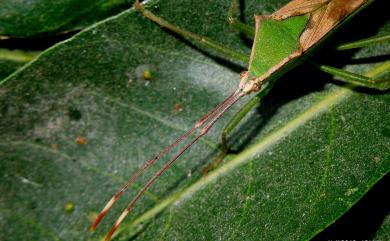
pixel 69 207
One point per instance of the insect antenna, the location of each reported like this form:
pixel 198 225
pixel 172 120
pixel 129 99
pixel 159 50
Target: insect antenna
pixel 209 120
pixel 146 165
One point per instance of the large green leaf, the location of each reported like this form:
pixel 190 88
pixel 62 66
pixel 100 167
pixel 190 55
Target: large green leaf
pixel 21 18
pixel 305 156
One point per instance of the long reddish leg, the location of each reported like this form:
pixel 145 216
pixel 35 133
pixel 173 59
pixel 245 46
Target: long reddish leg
pixel 150 162
pixel 216 115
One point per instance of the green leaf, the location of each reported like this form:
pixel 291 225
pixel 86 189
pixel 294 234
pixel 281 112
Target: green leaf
pixel 366 219
pixel 10 61
pixel 79 120
pixel 384 231
pixel 24 18
pixel 8 67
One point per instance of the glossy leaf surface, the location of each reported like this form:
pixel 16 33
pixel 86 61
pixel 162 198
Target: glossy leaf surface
pixel 80 119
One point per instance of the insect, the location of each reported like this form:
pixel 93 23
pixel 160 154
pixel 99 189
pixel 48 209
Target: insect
pixel 298 27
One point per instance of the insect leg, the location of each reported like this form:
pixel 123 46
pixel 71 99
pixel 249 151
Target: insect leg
pixel 236 23
pixel 203 41
pixel 357 79
pixel 364 42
